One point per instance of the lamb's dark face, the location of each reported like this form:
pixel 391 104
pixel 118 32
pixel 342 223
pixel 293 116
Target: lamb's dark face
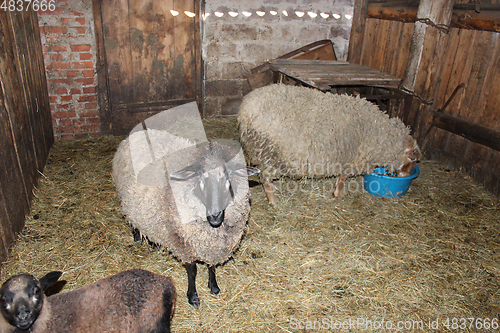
pixel 21 300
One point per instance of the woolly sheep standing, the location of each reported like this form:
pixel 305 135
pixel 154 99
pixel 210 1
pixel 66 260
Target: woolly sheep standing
pixel 297 131
pixel 205 220
pixel 131 301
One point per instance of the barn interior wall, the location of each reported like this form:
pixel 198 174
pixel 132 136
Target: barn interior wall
pixel 233 45
pixel 25 127
pixel 471 57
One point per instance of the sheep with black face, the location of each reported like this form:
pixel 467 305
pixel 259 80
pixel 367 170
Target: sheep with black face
pixel 199 211
pixel 131 301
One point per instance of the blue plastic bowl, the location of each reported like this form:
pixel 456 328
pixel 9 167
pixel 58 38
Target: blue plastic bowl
pixel 378 184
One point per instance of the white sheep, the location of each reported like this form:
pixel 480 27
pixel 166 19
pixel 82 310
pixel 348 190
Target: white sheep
pixel 197 207
pixel 301 132
pixel 131 301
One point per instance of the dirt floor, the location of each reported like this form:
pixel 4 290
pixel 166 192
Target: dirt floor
pixel 427 261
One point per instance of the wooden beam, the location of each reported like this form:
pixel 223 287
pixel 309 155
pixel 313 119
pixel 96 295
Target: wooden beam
pixel 464 16
pixel 357 31
pixel 468 19
pixel 392 11
pixel 424 62
pixel 466 129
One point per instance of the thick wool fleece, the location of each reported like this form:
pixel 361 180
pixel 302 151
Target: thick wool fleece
pixel 185 232
pixel 298 131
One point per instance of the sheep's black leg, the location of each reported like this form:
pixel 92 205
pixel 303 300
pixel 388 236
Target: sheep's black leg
pixel 192 295
pixel 212 282
pixel 137 235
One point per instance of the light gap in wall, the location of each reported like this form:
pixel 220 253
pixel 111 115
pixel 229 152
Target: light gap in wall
pixel 261 13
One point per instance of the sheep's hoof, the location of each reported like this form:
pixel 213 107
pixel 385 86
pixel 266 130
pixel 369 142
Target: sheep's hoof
pixel 337 196
pixel 214 289
pixel 194 300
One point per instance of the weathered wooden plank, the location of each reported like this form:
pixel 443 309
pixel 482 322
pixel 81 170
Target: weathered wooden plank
pixel 117 42
pixel 491 114
pixel 25 121
pixel 13 197
pixel 319 50
pixel 357 36
pixel 486 55
pixel 6 236
pixel 102 71
pixel 369 44
pixel 423 65
pixel 16 115
pixel 382 40
pixel 440 137
pixel 323 74
pixel 405 46
pixel 261 79
pixel 143 46
pixel 23 31
pixel 461 73
pixel 392 47
pixel 184 40
pixel 41 101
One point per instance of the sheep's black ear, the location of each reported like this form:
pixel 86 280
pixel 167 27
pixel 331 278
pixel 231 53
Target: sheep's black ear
pixel 184 174
pixel 50 279
pixel 246 171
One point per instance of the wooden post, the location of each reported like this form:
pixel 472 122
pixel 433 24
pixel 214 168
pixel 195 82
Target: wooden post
pixel 424 64
pixel 357 31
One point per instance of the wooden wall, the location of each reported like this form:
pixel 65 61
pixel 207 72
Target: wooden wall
pixel 25 120
pixel 471 57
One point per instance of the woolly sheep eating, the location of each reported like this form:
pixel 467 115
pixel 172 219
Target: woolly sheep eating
pixel 302 132
pixel 131 301
pixel 199 212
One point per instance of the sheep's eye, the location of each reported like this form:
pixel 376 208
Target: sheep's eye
pixel 36 292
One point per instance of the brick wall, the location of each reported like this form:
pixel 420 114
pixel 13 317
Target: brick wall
pixel 233 45
pixel 68 43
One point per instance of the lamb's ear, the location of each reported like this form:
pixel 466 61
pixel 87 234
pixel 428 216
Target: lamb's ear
pixel 184 174
pixel 246 171
pixel 50 279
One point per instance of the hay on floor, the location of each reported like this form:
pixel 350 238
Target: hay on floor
pixel 310 262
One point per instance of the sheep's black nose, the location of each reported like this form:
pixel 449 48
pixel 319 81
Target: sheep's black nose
pixel 23 321
pixel 216 219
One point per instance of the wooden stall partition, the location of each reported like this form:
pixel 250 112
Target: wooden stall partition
pixel 470 55
pixel 25 120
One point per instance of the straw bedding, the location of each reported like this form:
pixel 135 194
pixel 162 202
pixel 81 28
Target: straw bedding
pixel 311 260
